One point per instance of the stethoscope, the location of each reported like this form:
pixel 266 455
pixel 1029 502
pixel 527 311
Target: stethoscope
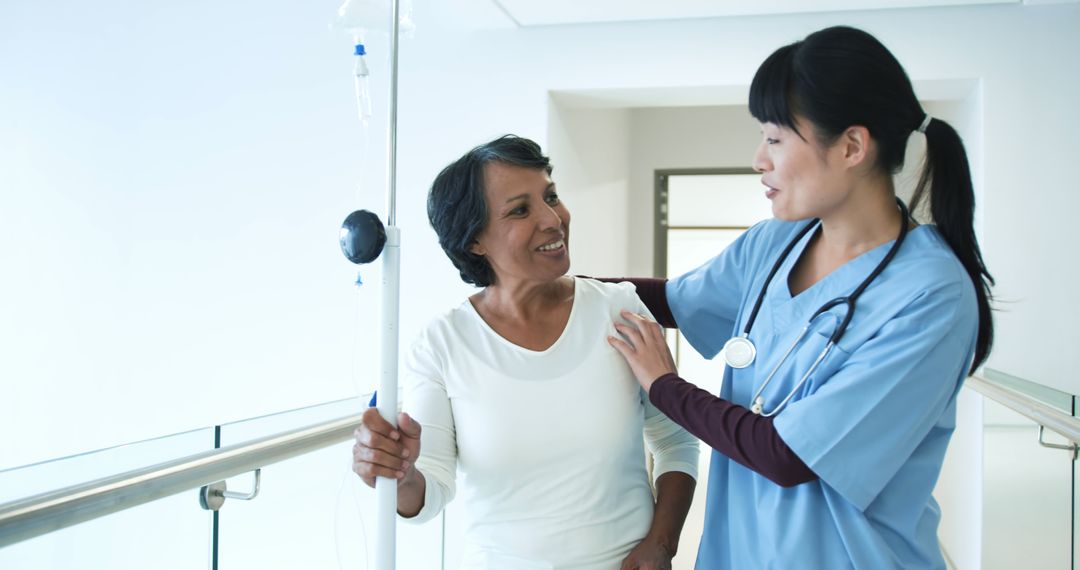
pixel 740 352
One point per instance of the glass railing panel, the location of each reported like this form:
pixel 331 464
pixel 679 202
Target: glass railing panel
pixel 1027 496
pixel 22 482
pixel 170 533
pixel 312 511
pixel 262 426
pixel 1056 399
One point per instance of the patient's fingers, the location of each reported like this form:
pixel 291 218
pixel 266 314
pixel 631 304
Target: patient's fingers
pixel 379 458
pixel 377 433
pixel 368 472
pixel 374 422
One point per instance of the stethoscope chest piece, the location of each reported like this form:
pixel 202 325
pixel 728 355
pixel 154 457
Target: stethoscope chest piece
pixel 739 352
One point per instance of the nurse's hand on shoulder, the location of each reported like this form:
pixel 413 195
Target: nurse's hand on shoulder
pixel 648 555
pixel 645 348
pixel 382 450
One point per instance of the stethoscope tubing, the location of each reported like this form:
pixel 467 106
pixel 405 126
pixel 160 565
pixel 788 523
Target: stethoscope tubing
pixel 759 407
pixel 757 403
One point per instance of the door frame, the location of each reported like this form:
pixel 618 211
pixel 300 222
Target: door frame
pixel 660 208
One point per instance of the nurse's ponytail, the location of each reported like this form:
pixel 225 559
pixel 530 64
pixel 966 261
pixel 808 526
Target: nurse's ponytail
pixel 841 76
pixel 946 176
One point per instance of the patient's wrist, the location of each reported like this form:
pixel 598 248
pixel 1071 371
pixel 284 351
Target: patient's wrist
pixel 668 543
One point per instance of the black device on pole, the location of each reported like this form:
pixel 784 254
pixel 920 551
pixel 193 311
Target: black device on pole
pixel 362 237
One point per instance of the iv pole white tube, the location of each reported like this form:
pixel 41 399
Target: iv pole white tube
pixel 386 488
pixel 387 400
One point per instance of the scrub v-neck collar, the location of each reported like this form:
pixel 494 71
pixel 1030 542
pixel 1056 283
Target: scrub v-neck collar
pixel 787 311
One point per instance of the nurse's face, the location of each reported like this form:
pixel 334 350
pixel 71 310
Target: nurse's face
pixel 527 233
pixel 802 178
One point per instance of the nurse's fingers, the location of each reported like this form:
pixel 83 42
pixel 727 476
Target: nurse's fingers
pixel 622 346
pixel 632 334
pixel 645 331
pixel 645 325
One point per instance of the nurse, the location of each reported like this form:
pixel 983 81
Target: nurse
pixel 826 457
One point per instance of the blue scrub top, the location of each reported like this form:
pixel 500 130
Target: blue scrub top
pixel 872 422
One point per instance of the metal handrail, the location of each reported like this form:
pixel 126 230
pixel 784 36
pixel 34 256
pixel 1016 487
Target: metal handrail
pixel 47 512
pixel 1053 419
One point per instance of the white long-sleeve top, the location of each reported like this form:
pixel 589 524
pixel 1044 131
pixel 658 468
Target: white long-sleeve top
pixel 549 443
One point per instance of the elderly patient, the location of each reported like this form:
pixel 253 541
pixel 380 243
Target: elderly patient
pixel 518 389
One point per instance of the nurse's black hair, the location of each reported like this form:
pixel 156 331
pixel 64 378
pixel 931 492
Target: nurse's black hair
pixel 456 206
pixel 840 77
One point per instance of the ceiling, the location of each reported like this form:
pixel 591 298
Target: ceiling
pixel 556 12
pixel 714 95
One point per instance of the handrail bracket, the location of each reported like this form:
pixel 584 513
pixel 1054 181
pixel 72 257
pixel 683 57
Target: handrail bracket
pixel 212 496
pixel 1071 446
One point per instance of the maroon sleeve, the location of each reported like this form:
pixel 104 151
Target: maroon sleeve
pixel 653 293
pixel 742 435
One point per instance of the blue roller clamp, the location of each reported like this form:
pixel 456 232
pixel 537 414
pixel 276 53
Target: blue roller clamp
pixel 374 394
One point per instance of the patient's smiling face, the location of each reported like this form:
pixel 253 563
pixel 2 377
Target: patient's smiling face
pixel 527 233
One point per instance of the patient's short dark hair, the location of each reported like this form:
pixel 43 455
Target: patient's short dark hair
pixel 456 206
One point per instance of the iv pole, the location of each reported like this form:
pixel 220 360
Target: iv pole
pixel 363 238
pixel 385 488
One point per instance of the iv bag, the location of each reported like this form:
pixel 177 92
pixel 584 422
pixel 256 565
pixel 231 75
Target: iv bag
pixel 359 17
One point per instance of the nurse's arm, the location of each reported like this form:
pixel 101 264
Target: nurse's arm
pixel 747 438
pixel 653 293
pixel 733 430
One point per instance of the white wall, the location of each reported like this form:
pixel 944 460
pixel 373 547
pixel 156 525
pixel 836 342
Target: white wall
pixel 605 159
pixel 588 148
